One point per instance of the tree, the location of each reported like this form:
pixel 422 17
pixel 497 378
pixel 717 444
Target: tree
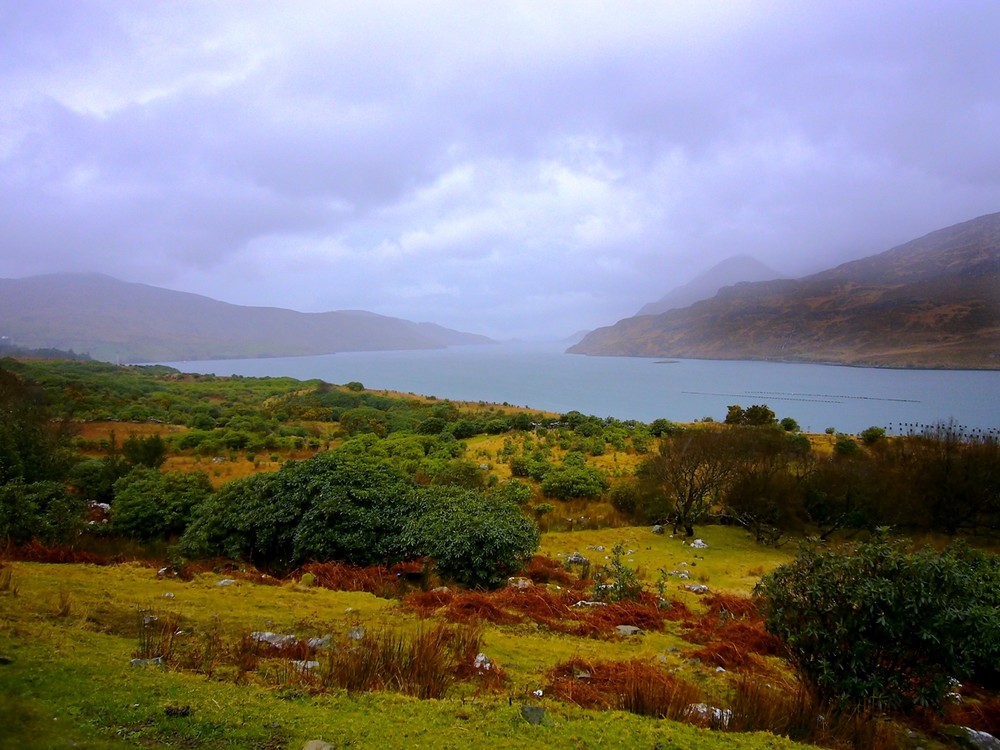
pixel 32 447
pixel 148 451
pixel 473 538
pixel 151 505
pixel 39 510
pixel 879 626
pixel 686 476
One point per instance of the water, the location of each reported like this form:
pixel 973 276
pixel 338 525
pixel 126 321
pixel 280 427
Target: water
pixel 542 377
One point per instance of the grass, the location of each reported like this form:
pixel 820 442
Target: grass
pixel 69 678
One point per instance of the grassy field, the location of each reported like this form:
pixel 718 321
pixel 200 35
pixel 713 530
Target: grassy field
pixel 68 633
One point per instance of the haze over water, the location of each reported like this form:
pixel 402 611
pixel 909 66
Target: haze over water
pixel 542 377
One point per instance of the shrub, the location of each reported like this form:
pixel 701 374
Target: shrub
pixel 883 627
pixel 149 504
pixel 473 538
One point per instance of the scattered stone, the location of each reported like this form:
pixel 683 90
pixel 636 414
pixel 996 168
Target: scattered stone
pixel 586 603
pixel 532 714
pixel 6 660
pixel 698 588
pixel 303 665
pixel 155 661
pixel 719 718
pixel 520 583
pixel 972 739
pixel 317 745
pixel 317 643
pixel 482 662
pixel 699 544
pixel 596 547
pixel 577 559
pixel 440 590
pixel 720 669
pixel 168 595
pixel 658 529
pixel 356 633
pixel 178 712
pixel 225 582
pixel 628 630
pixel 275 639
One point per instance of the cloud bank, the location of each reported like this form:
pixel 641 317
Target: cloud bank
pixel 516 168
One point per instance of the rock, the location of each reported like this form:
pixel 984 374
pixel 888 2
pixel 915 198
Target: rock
pixel 317 643
pixel 698 588
pixel 156 661
pixel 520 583
pixel 275 639
pixel 657 529
pixel 718 718
pixel 356 633
pixel 532 714
pixel 586 603
pixel 225 582
pixel 482 662
pixel 972 739
pixel 168 595
pixel 699 544
pixel 628 630
pixel 304 666
pixel 317 745
pixel 178 712
pixel 6 660
pixel 577 559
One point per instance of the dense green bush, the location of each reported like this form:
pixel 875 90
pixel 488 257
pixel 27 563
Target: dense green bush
pixel 474 538
pixel 568 482
pixel 151 505
pixel 883 627
pixel 39 510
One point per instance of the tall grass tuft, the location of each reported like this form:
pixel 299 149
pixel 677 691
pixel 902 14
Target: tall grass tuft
pixel 156 634
pixel 65 606
pixel 424 665
pixel 7 583
pixel 796 714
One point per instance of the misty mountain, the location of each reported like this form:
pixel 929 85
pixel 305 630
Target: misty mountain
pixel 931 302
pixel 730 271
pixel 112 319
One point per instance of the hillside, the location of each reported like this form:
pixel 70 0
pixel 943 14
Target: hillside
pixel 735 270
pixel 117 320
pixel 931 302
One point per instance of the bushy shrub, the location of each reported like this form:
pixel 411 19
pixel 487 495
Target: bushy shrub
pixel 884 627
pixel 476 539
pixel 39 510
pixel 567 482
pixel 150 505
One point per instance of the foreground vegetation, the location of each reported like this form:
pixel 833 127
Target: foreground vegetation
pixel 208 528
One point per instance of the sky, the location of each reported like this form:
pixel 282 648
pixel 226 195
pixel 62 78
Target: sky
pixel 516 169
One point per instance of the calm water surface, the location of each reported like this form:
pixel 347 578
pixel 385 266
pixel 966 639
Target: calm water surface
pixel 543 377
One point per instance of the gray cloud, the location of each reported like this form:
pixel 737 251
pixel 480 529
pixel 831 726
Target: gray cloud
pixel 517 169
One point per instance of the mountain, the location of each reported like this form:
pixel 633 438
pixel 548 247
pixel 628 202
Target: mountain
pixel 932 302
pixel 731 271
pixel 117 320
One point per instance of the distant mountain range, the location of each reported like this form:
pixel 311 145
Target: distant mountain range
pixel 117 320
pixel 731 271
pixel 932 302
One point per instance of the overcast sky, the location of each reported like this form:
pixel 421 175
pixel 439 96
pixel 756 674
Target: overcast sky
pixel 510 168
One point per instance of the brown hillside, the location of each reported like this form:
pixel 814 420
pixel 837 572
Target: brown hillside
pixel 932 302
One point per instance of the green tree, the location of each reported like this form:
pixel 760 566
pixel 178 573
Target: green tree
pixel 148 451
pixel 32 446
pixel 39 510
pixel 473 538
pixel 879 626
pixel 152 505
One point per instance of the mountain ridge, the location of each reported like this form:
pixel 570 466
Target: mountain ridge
pixel 733 270
pixel 931 302
pixel 119 320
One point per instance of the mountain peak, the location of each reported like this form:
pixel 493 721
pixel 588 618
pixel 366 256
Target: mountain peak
pixel 732 270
